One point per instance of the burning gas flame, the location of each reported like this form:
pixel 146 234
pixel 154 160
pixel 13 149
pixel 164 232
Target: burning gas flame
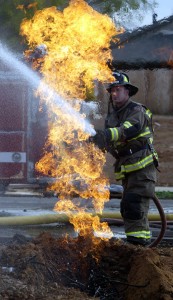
pixel 77 50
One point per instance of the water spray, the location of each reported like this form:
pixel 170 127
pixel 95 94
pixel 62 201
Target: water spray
pixel 34 80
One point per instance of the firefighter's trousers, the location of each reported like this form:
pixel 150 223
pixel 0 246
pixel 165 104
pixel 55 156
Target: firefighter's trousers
pixel 139 188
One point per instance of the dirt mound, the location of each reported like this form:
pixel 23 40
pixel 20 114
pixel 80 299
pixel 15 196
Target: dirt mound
pixel 78 268
pixel 153 272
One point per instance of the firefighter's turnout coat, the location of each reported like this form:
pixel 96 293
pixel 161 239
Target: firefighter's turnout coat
pixel 131 142
pixel 131 138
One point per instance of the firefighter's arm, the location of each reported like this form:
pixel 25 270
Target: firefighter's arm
pixel 130 128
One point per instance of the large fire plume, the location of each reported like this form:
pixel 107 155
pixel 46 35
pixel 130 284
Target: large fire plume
pixel 77 44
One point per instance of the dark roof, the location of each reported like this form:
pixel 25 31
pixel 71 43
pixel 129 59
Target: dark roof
pixel 131 52
pixel 129 35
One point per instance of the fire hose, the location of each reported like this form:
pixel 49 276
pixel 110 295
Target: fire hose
pixel 163 223
pixel 107 215
pixel 153 218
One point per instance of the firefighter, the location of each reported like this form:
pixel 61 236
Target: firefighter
pixel 128 136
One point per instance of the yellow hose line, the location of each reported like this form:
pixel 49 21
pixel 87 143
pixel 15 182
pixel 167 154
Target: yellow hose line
pixel 57 217
pixel 33 220
pixel 151 217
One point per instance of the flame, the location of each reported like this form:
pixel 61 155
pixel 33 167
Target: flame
pixel 87 224
pixel 78 41
pixel 78 49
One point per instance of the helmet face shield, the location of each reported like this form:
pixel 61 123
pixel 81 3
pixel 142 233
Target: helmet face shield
pixel 122 79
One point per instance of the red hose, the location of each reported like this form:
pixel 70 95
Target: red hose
pixel 163 223
pixel 162 217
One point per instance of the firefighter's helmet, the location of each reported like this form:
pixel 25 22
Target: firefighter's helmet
pixel 122 79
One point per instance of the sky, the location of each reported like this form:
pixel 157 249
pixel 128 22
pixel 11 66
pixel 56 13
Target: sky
pixel 163 10
pixel 131 20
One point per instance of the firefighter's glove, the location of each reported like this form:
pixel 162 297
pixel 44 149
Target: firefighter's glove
pixel 101 139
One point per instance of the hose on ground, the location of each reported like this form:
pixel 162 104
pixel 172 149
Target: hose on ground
pixel 117 222
pixel 106 216
pixel 163 223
